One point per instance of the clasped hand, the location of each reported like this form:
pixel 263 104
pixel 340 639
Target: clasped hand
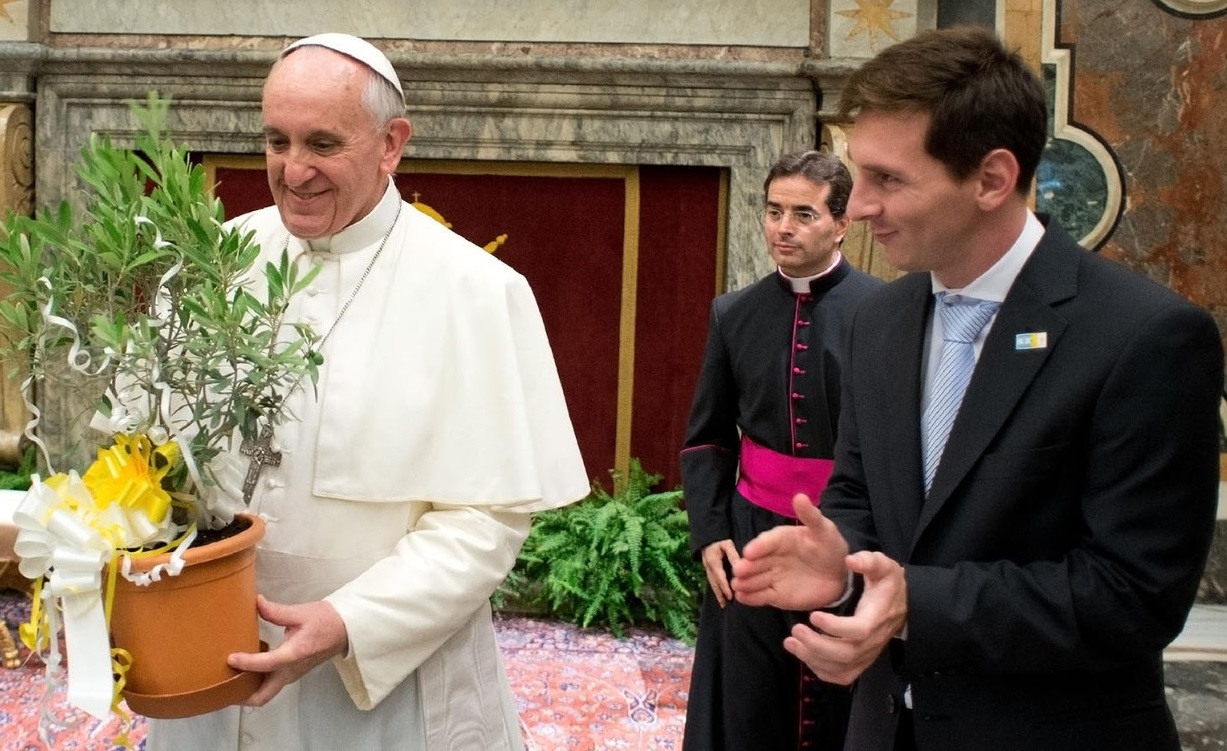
pixel 314 634
pixel 805 567
pixel 714 557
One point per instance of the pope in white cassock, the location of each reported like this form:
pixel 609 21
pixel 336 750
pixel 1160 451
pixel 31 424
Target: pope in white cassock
pixel 404 489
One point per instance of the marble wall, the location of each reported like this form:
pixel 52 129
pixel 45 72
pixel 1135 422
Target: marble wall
pixel 1153 84
pixel 772 23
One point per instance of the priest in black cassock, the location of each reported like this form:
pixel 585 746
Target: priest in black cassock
pixel 762 426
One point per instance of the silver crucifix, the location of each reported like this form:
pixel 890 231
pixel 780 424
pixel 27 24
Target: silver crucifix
pixel 262 455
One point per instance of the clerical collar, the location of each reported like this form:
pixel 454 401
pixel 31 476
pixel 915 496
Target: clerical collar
pixel 363 233
pixel 803 285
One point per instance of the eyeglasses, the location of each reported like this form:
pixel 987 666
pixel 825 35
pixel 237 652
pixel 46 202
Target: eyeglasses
pixel 800 218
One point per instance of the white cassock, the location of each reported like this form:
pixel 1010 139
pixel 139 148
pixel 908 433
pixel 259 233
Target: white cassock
pixel 403 493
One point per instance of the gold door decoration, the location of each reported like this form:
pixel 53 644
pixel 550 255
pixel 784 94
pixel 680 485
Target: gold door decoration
pixel 429 211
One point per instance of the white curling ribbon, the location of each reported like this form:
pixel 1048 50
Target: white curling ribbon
pixel 156 321
pixel 27 387
pixel 78 359
pixel 158 435
pixel 158 242
pixel 172 567
pixel 54 543
pixel 219 499
pixel 165 396
pixel 224 498
pixel 124 416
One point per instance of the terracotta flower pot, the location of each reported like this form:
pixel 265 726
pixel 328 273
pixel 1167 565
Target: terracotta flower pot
pixel 179 630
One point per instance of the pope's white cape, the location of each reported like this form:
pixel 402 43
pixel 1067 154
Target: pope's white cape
pixel 449 429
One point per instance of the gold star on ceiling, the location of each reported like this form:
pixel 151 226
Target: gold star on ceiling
pixel 873 17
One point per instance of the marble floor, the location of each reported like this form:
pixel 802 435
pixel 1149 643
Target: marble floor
pixel 582 690
pixel 1204 636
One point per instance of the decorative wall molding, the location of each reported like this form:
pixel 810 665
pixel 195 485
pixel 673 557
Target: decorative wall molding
pixel 16 195
pixel 1080 180
pixel 736 115
pixel 1194 8
pixel 17 158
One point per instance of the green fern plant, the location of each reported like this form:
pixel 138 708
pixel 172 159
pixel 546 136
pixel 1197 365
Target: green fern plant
pixel 18 478
pixel 612 561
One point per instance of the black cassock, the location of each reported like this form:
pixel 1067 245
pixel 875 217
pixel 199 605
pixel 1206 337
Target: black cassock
pixel 771 374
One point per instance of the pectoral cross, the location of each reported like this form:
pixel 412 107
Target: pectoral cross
pixel 262 455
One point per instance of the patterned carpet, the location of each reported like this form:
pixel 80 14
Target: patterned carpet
pixel 576 690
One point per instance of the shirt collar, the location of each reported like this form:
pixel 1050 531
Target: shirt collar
pixel 993 284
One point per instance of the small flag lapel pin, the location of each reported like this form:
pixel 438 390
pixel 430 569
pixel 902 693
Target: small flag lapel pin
pixel 1036 340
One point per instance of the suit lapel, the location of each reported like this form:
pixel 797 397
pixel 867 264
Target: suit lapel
pixel 906 340
pixel 1004 370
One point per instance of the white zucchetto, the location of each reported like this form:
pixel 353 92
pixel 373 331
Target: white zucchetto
pixel 355 47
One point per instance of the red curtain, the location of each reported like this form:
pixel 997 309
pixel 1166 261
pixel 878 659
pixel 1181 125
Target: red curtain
pixel 679 222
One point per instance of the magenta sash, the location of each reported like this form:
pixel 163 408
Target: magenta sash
pixel 770 479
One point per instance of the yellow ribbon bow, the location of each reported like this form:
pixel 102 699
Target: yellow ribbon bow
pixel 130 474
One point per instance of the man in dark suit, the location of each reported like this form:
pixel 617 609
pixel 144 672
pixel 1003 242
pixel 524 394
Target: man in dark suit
pixel 1015 591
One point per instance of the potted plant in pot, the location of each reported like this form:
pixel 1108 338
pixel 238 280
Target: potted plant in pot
pixel 142 305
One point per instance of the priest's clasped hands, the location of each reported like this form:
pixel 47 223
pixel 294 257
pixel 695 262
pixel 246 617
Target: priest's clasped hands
pixel 805 567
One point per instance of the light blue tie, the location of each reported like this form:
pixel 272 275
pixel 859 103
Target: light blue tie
pixel 962 319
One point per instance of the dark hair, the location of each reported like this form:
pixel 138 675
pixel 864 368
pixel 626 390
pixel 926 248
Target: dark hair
pixel 820 168
pixel 979 96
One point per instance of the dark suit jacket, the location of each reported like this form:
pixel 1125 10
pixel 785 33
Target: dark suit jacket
pixel 1061 546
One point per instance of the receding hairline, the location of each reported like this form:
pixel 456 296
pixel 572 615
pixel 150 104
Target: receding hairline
pixel 377 96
